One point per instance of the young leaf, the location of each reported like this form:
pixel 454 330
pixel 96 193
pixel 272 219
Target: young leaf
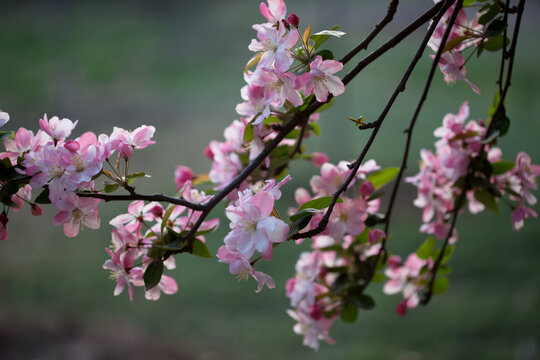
pixel 496 27
pixel 320 39
pixel 349 313
pixel 137 175
pixel 383 177
pixel 248 132
pixel 319 203
pixel 486 198
pixel 304 212
pixel 200 249
pixel 152 274
pixel 362 301
pixel 166 216
pixel 426 249
pixel 501 167
pixel 299 224
pixel 440 285
pixel 43 197
pixel 489 15
pixel 109 188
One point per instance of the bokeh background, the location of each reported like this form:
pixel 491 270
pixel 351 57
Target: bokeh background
pixel 178 65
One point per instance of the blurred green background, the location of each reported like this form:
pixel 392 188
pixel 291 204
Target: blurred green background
pixel 178 65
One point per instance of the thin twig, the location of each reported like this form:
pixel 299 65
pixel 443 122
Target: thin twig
pixel 412 123
pixel 135 196
pixel 400 88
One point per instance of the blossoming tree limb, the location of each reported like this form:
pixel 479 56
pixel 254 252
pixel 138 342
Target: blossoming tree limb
pixel 290 79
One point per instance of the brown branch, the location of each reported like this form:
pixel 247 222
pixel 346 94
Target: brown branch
pixel 400 88
pixel 134 196
pixel 412 123
pixel 429 291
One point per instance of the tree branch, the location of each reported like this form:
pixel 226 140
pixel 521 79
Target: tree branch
pixel 401 87
pixel 134 196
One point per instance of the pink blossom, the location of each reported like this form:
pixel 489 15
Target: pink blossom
pixel 257 103
pixel 319 158
pixel 76 211
pixel 24 142
pixel 406 279
pixel 57 128
pixel 166 285
pixel 274 44
pixel 182 174
pixel 253 228
pixel 241 266
pixel 302 287
pixel 331 178
pixel 120 265
pixel 281 84
pixel 320 80
pixel 521 213
pixel 313 328
pixel 275 11
pixel 130 140
pixel 452 65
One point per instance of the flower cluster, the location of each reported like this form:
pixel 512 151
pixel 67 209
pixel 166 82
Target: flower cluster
pixel 327 279
pixel 50 160
pixel 254 227
pixel 440 180
pixel 464 34
pixel 144 234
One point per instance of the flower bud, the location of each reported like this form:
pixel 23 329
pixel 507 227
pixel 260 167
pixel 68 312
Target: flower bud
pixel 315 312
pixel 366 188
pixel 36 209
pixel 293 20
pixel 72 146
pixel 401 308
pixel 318 159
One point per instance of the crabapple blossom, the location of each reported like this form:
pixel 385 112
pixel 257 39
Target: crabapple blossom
pixel 320 79
pixel 275 11
pixel 57 128
pixel 4 118
pixel 76 212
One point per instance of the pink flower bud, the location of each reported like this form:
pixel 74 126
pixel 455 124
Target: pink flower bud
pixel 286 24
pixel 72 146
pixel 322 272
pixel 315 312
pixel 36 209
pixel 293 20
pixel 366 188
pixel 401 308
pixel 394 261
pixel 182 174
pixel 157 211
pixel 375 235
pixel 208 152
pixel 318 159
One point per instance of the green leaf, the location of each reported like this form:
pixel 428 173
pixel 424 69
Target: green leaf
pixel 272 120
pixel 315 128
pixel 496 43
pixel 6 135
pixel 325 54
pixel 440 285
pixel 378 277
pixel 200 249
pixel 321 37
pixel 425 251
pixel 137 175
pixel 362 301
pixel 299 224
pixel 467 3
pixel 447 254
pixel 494 104
pixel 362 238
pixel 501 167
pixel 204 232
pixel 489 15
pixel 383 177
pixel 349 313
pixel 496 27
pixel 109 188
pixel 248 132
pixel 166 217
pixel 502 123
pixel 152 274
pixel 304 212
pixel 319 203
pixel 338 269
pixel 43 197
pixel 486 198
pixel 444 270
